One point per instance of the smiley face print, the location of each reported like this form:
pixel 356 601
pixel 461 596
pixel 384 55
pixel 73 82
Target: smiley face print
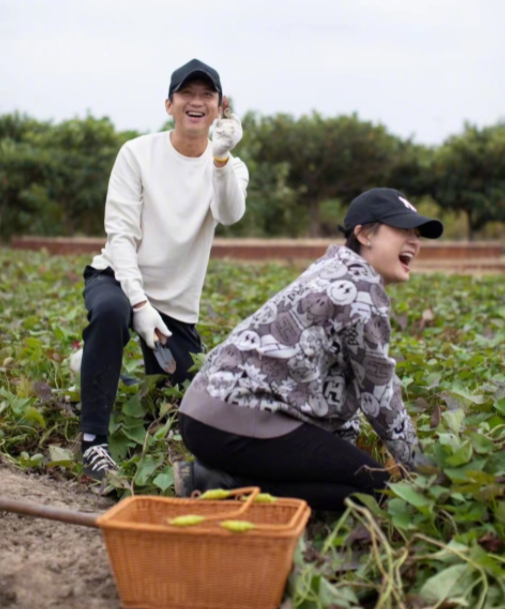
pixel 342 292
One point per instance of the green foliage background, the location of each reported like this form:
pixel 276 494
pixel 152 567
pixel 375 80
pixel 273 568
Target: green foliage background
pixel 304 172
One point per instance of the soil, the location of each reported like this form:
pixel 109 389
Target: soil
pixel 46 564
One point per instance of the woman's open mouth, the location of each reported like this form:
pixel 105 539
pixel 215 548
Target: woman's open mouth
pixel 405 259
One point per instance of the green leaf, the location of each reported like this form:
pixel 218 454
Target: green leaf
pixel 461 456
pixel 119 444
pixel 500 511
pixel 137 434
pixel 465 472
pixel 57 455
pixel 481 444
pixel 406 492
pixel 133 407
pixel 371 503
pixel 165 479
pixel 161 433
pixel 474 398
pixel 146 467
pixel 453 420
pixel 32 414
pixel 447 584
pixel 329 595
pixel 448 554
pixel 500 406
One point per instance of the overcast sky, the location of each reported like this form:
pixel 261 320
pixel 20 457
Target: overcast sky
pixel 421 67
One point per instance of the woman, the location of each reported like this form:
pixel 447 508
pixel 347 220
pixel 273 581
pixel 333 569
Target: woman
pixel 277 405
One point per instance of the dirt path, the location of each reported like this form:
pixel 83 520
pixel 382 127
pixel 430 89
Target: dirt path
pixel 48 565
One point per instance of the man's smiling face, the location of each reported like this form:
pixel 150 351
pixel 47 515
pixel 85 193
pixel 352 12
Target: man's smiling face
pixel 194 107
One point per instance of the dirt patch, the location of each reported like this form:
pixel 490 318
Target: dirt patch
pixel 45 564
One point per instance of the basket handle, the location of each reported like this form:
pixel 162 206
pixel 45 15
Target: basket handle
pixel 279 528
pixel 239 492
pixel 253 491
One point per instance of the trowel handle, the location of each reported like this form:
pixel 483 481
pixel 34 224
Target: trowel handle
pixel 51 513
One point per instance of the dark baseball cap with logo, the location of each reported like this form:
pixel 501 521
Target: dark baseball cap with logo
pixel 391 207
pixel 191 70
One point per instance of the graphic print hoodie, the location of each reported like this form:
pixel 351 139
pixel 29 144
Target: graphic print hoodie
pixel 318 352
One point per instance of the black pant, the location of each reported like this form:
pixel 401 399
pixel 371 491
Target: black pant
pixel 110 318
pixel 307 463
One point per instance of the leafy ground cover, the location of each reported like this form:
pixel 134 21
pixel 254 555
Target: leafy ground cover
pixel 437 540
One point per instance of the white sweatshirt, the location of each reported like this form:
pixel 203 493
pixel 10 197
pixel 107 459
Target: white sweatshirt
pixel 160 215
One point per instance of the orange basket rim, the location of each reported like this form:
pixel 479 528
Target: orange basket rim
pixel 208 531
pixel 107 520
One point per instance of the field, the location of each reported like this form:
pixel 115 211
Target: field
pixel 438 540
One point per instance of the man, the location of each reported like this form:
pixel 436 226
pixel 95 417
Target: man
pixel 166 194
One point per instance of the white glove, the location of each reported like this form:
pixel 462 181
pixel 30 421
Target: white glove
pixel 146 320
pixel 226 136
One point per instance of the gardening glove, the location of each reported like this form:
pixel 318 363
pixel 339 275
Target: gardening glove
pixel 226 136
pixel 146 320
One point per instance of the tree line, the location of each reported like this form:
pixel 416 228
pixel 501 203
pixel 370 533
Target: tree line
pixel 304 172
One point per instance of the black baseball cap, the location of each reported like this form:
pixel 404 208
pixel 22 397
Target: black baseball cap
pixel 193 69
pixel 391 207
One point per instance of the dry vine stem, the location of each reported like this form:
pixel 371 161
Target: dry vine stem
pixel 391 579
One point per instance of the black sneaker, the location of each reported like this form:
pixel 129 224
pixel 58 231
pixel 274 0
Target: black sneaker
pixel 190 476
pixel 97 460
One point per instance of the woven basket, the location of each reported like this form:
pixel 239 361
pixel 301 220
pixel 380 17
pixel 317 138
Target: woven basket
pixel 160 566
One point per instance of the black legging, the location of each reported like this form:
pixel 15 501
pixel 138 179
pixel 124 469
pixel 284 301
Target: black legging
pixel 307 463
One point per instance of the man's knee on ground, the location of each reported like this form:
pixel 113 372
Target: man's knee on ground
pixel 112 313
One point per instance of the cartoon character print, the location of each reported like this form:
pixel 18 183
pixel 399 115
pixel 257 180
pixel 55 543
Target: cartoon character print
pixel 220 384
pixel 224 357
pixel 360 310
pixel 399 424
pixel 349 430
pixel 318 404
pixel 314 342
pixel 378 369
pixel 271 347
pixel 286 388
pixel 315 308
pixel 266 315
pixel 333 270
pixel 354 338
pixel 246 340
pixel 287 328
pixel 253 378
pixel 291 295
pixel 302 369
pixel 275 370
pixel 342 292
pixel 318 284
pixel 370 404
pixel 269 403
pixel 377 332
pixel 242 396
pixel 380 298
pixel 299 397
pixel 361 270
pixel 334 390
pixel 385 395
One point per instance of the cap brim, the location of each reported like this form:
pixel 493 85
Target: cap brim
pixel 205 75
pixel 428 227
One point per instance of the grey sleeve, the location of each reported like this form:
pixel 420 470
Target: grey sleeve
pixel 377 387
